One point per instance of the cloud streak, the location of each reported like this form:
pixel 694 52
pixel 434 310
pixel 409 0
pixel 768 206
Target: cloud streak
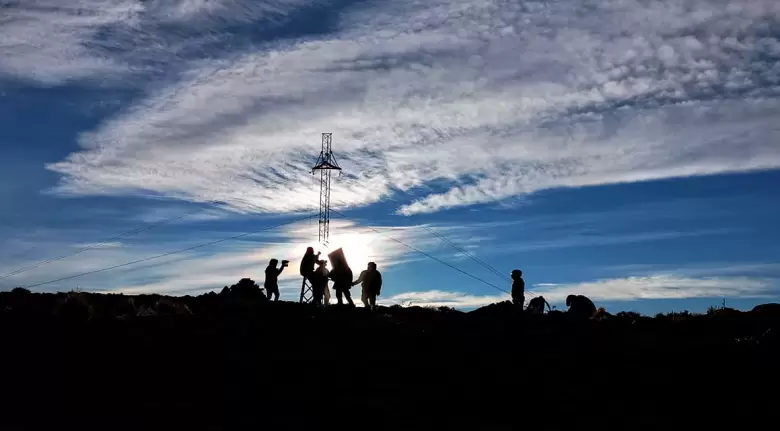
pixel 663 286
pixel 212 268
pixel 493 99
pixel 438 298
pixel 633 288
pixel 121 42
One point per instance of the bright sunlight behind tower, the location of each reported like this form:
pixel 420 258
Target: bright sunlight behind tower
pixel 358 248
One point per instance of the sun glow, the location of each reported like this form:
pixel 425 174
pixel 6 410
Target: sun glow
pixel 358 249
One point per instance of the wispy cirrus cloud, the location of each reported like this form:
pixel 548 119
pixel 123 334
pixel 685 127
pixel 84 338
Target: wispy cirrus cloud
pixel 209 268
pixel 120 42
pixel 632 288
pixel 495 99
pixel 588 239
pixel 47 41
pixel 438 298
pixel 663 286
pixel 111 244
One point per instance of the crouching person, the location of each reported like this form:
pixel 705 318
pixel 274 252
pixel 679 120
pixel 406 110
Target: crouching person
pixel 536 305
pixel 580 306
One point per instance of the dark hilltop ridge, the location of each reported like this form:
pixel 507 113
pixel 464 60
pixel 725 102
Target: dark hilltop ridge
pixel 236 361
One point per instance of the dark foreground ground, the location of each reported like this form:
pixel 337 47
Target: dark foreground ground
pixel 91 362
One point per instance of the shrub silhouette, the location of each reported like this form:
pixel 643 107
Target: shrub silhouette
pixel 771 309
pixel 170 307
pixel 20 291
pixel 76 308
pixel 245 293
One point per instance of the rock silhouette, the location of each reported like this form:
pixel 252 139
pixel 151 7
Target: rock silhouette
pixel 245 291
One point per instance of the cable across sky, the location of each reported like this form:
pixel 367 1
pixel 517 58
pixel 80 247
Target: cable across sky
pixel 172 252
pixel 238 236
pixel 107 241
pixel 427 255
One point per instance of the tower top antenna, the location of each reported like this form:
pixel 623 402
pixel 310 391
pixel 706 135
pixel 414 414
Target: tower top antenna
pixel 326 163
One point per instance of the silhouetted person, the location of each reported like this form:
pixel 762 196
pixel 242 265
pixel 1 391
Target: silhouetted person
pixel 536 305
pixel 342 282
pixel 272 278
pixel 371 280
pixel 518 288
pixel 580 306
pixel 307 264
pixel 319 282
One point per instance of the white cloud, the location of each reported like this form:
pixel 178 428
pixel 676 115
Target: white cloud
pixel 662 286
pixel 659 286
pixel 181 215
pixel 53 42
pixel 47 41
pixel 93 245
pixel 438 298
pixel 580 239
pixel 499 98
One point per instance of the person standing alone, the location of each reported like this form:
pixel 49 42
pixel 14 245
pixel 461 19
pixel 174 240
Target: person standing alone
pixel 272 278
pixel 371 280
pixel 518 288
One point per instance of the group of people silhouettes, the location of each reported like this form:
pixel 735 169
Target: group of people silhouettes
pixel 579 305
pixel 315 271
pixel 317 274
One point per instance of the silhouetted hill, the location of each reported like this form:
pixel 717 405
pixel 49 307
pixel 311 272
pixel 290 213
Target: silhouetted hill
pixel 235 361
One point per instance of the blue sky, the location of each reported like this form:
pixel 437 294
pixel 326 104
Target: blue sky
pixel 626 150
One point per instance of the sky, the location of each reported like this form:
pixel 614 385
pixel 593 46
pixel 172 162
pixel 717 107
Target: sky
pixel 621 149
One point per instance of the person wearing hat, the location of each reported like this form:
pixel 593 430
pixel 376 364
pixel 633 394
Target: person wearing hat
pixel 518 288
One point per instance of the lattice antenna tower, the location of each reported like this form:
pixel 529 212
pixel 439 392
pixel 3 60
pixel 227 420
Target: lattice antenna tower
pixel 326 164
